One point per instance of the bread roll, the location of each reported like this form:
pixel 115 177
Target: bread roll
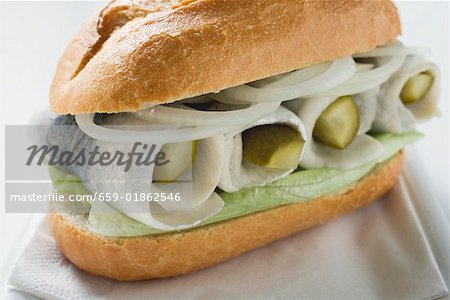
pixel 140 53
pixel 132 55
pixel 172 254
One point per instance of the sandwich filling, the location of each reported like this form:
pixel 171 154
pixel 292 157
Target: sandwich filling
pixel 276 141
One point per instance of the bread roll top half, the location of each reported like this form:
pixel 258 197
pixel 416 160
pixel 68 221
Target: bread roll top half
pixel 139 53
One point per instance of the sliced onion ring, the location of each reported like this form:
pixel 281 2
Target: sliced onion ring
pixel 194 100
pixel 367 80
pixel 292 77
pixel 340 70
pixel 363 67
pixel 188 117
pixel 171 135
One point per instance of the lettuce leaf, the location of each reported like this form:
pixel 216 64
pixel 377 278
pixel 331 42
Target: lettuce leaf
pixel 300 186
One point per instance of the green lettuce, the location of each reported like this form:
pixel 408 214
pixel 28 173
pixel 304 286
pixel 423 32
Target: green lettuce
pixel 300 186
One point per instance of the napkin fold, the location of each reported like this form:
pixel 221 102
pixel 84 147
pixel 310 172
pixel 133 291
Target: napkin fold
pixel 378 252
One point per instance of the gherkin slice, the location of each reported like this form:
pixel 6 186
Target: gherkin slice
pixel 338 124
pixel 416 87
pixel 272 146
pixel 181 156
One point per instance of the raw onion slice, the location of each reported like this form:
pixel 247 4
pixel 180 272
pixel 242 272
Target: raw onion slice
pixel 340 70
pixel 393 51
pixel 226 100
pixel 363 67
pixel 169 134
pixel 195 100
pixel 292 77
pixel 189 117
pixel 367 80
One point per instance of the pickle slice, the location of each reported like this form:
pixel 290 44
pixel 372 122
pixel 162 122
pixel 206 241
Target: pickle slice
pixel 416 87
pixel 338 124
pixel 181 157
pixel 272 146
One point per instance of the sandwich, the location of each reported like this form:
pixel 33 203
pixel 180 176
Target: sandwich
pixel 262 119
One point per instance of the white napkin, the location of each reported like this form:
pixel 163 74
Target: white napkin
pixel 378 252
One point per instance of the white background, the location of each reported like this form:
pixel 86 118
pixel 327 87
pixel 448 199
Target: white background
pixel 33 36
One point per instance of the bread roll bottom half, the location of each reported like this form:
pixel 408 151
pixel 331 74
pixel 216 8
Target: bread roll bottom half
pixel 178 253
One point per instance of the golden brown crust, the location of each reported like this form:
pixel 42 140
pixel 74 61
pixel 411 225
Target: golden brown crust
pixel 180 253
pixel 149 52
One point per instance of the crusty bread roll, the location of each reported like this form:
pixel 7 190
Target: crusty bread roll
pixel 171 254
pixel 137 53
pixel 140 53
